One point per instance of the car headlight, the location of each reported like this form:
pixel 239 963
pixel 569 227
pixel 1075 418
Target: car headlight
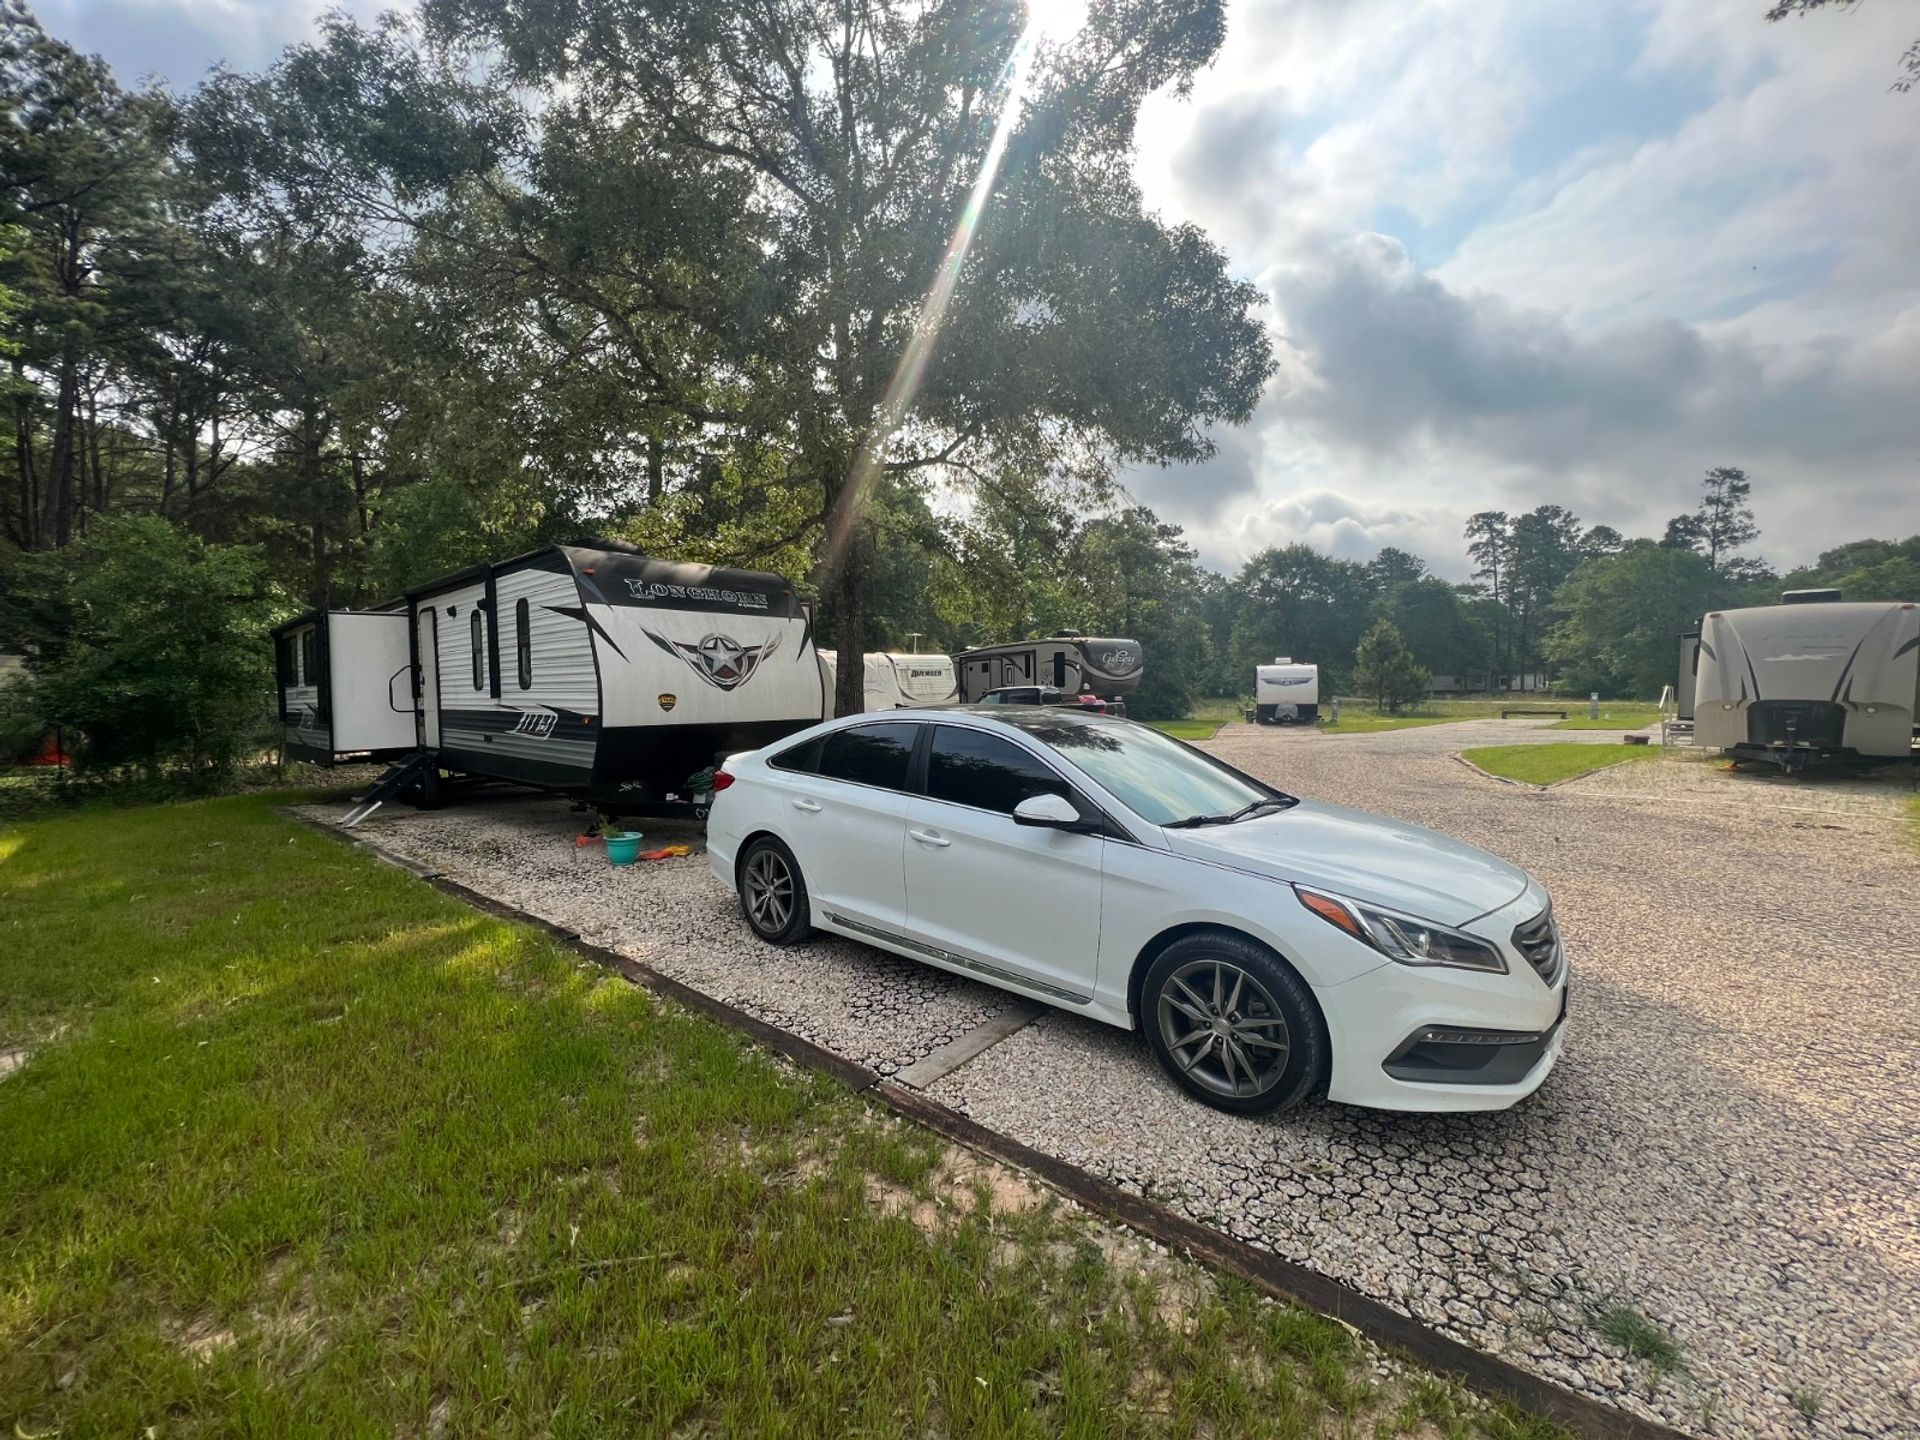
pixel 1405 938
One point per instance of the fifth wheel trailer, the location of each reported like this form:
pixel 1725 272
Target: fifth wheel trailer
pixel 1812 679
pixel 1284 692
pixel 1067 660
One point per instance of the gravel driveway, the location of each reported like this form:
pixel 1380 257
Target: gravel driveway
pixel 1730 1147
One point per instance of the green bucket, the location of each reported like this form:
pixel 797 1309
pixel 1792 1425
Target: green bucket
pixel 623 848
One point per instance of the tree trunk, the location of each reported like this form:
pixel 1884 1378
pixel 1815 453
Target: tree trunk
pixel 56 505
pixel 656 467
pixel 850 624
pixel 310 439
pixel 23 459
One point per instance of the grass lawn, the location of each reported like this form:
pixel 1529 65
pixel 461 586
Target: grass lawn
pixel 301 1146
pixel 1187 729
pixel 1365 720
pixel 1614 715
pixel 1544 764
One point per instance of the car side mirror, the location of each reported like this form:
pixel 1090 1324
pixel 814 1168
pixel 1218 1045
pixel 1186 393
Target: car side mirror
pixel 1052 812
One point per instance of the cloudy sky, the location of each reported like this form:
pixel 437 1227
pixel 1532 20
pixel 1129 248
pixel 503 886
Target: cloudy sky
pixel 1516 251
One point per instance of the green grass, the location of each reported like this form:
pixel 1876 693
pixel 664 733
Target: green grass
pixel 1187 729
pixel 1365 720
pixel 1624 1327
pixel 1208 715
pixel 1614 715
pixel 304 1147
pixel 1544 764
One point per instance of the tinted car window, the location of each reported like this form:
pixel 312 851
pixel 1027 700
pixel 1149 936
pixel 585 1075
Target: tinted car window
pixel 971 767
pixel 801 759
pixel 869 755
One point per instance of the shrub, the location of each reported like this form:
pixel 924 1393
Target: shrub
pixel 166 661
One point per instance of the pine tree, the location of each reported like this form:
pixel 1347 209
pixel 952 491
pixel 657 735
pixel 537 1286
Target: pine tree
pixel 1385 669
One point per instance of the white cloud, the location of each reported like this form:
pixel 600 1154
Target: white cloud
pixel 1733 283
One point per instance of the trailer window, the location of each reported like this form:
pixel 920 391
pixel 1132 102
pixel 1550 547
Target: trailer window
pixel 476 633
pixel 523 644
pixel 309 657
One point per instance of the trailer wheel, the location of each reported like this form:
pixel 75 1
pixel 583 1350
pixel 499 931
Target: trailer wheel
pixel 773 894
pixel 429 792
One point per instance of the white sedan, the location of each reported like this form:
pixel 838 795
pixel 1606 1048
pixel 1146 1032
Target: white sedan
pixel 1271 948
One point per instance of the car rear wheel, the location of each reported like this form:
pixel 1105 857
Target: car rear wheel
pixel 1233 1025
pixel 773 895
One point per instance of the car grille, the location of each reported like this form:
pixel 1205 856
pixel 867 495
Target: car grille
pixel 1539 940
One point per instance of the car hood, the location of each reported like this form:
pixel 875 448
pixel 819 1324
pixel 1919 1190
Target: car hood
pixel 1363 856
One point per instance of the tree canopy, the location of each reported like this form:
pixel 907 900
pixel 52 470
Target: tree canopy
pixel 861 292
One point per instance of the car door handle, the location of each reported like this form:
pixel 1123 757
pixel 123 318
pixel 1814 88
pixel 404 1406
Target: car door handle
pixel 931 837
pixel 812 807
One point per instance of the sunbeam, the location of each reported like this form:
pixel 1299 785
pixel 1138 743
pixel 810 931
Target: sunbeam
pixel 1044 21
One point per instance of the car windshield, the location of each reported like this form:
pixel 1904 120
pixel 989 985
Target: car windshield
pixel 1158 778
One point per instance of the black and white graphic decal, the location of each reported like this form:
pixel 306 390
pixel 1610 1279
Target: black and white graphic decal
pixel 720 660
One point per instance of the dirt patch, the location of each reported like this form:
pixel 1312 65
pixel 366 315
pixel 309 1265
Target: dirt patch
pixel 202 1338
pixel 958 1186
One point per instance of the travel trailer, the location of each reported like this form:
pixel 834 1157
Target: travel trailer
pixel 596 670
pixel 1810 679
pixel 898 682
pixel 1066 660
pixel 1284 692
pixel 345 684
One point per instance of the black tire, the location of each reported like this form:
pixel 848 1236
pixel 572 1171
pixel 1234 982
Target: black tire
pixel 779 914
pixel 1240 1045
pixel 429 792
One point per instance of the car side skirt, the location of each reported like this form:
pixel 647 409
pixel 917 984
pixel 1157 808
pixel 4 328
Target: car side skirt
pixel 976 969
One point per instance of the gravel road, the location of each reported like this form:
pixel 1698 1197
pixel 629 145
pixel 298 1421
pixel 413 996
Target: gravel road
pixel 1729 1148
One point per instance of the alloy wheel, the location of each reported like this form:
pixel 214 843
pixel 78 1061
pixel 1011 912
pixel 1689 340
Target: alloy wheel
pixel 769 889
pixel 1223 1028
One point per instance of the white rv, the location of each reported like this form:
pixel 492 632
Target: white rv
pixel 1810 679
pixel 1284 692
pixel 896 681
pixel 1067 661
pixel 345 685
pixel 596 670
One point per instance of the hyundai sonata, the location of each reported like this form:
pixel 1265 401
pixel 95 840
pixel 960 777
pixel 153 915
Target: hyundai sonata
pixel 1270 948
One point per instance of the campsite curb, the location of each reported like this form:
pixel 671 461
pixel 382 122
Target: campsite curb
pixel 1486 1375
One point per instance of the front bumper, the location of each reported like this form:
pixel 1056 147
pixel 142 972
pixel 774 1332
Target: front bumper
pixel 1380 1024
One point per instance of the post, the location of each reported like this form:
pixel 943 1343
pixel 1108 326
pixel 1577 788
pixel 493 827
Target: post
pixel 1336 711
pixel 1593 705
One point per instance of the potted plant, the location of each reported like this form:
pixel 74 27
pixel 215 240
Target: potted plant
pixel 623 843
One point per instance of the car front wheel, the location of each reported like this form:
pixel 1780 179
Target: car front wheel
pixel 773 895
pixel 1232 1024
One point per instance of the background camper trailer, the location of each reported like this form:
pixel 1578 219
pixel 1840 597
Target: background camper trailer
pixel 345 685
pixel 1809 680
pixel 1284 693
pixel 1067 661
pixel 596 670
pixel 898 682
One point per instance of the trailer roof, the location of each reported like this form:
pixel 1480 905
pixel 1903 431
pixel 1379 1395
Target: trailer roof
pixel 620 561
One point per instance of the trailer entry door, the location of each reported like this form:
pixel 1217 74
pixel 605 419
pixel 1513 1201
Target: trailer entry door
pixel 427 638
